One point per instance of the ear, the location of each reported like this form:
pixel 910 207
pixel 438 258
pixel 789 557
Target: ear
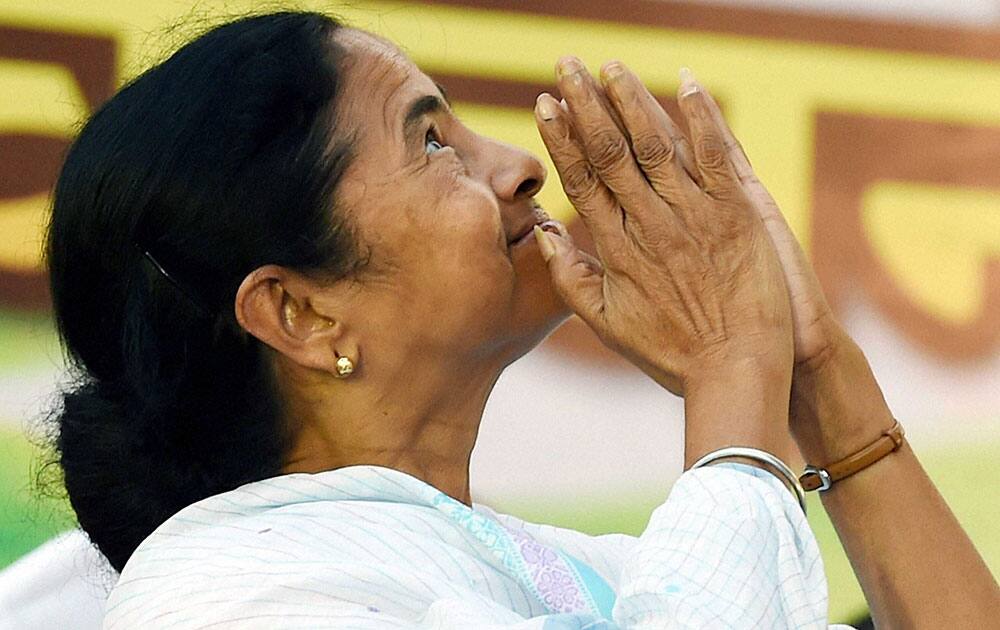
pixel 276 305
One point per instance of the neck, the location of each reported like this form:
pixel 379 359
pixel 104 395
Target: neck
pixel 424 424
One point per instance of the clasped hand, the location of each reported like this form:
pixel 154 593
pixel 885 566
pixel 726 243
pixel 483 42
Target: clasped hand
pixel 687 284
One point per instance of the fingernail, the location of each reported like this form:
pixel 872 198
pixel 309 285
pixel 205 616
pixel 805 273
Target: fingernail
pixel 545 245
pixel 546 106
pixel 569 66
pixel 612 70
pixel 688 83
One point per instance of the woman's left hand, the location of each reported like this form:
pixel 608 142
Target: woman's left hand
pixel 691 289
pixel 815 328
pixel 688 268
pixel 836 405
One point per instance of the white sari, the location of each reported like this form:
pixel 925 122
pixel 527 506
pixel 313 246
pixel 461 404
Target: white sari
pixel 370 547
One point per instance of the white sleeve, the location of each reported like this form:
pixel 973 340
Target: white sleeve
pixel 730 548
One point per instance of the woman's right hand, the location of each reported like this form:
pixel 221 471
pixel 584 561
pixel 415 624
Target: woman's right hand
pixel 689 287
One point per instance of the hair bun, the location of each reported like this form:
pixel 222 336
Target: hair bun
pixel 104 478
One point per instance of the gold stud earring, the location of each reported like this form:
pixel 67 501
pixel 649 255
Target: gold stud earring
pixel 344 367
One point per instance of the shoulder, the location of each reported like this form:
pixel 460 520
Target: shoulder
pixel 252 550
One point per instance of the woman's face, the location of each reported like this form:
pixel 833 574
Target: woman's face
pixel 447 215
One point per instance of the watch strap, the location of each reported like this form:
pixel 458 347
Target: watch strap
pixel 816 478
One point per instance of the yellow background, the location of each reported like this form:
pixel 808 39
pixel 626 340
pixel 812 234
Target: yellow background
pixel 771 89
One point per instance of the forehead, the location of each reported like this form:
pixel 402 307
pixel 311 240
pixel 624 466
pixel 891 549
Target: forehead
pixel 378 72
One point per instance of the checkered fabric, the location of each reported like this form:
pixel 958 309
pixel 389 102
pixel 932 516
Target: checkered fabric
pixel 368 547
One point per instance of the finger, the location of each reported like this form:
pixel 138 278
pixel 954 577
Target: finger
pixel 718 177
pixel 588 194
pixel 589 260
pixel 685 153
pixel 603 97
pixel 604 144
pixel 734 149
pixel 655 150
pixel 575 278
pixel 683 146
pixel 764 203
pixel 789 249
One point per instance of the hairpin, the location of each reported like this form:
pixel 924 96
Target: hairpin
pixel 196 302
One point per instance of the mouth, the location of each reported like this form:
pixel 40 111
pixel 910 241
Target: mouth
pixel 526 231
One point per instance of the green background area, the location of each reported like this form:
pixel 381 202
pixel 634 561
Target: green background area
pixel 967 477
pixel 28 346
pixel 27 341
pixel 26 517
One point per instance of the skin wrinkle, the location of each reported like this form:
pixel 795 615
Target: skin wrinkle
pixel 451 306
pixel 385 58
pixel 387 118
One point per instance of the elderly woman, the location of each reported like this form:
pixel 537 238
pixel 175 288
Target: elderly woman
pixel 289 278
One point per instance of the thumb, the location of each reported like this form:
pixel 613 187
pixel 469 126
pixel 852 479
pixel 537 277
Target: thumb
pixel 577 276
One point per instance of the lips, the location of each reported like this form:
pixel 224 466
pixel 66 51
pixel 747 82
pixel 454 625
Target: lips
pixel 548 226
pixel 525 230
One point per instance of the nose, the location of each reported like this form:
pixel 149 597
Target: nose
pixel 515 175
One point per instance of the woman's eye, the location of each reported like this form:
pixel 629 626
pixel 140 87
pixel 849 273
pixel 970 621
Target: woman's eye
pixel 431 142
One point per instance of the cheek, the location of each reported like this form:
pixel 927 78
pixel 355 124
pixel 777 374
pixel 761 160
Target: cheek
pixel 468 221
pixel 503 294
pixel 462 299
pixel 462 270
pixel 474 256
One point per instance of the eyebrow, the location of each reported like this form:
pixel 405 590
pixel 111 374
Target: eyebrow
pixel 427 104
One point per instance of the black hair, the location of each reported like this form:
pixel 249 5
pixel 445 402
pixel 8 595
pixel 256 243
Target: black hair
pixel 218 160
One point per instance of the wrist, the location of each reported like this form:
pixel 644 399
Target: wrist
pixel 836 405
pixel 740 402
